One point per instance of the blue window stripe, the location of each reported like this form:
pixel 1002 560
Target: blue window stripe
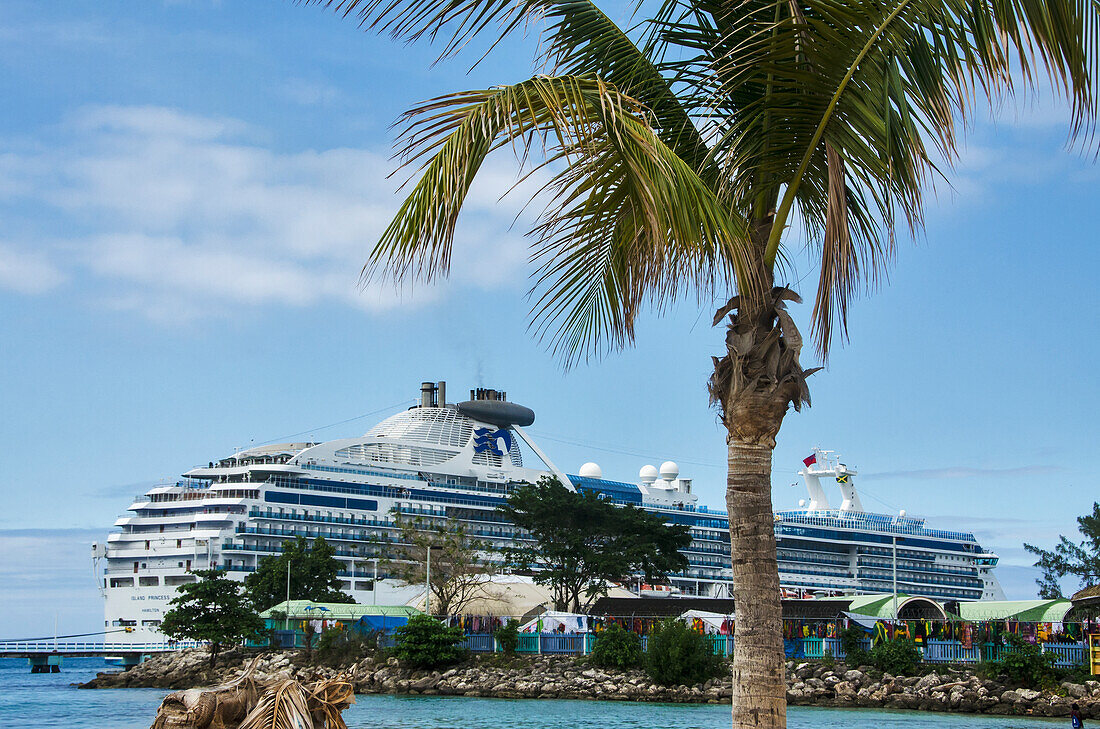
pixel 336 502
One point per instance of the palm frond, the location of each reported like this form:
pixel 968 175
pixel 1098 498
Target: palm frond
pixel 840 109
pixel 630 222
pixel 282 706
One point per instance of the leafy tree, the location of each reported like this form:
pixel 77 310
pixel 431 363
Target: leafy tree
pixel 507 636
pixel 677 655
pixel 1024 663
pixel 458 568
pixel 581 541
pixel 427 643
pixel 851 642
pixel 314 575
pixel 683 149
pixel 1068 558
pixel 617 648
pixel 900 656
pixel 214 610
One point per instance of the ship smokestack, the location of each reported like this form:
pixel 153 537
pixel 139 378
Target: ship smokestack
pixel 441 391
pixel 428 394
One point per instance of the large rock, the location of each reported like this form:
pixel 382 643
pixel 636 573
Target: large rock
pixel 1075 690
pixel 926 683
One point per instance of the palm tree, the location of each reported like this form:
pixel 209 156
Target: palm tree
pixel 679 153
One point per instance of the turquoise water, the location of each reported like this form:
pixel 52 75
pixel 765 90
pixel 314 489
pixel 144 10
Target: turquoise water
pixel 48 700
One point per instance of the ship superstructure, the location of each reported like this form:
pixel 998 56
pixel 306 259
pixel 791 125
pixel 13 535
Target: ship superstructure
pixel 438 461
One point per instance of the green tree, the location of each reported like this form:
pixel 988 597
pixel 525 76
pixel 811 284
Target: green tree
pixel 617 648
pixel 427 643
pixel 314 575
pixel 1069 558
pixel 677 655
pixel 507 636
pixel 900 656
pixel 580 541
pixel 459 567
pixel 214 610
pixel 681 152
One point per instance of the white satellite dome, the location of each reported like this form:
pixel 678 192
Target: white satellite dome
pixel 591 470
pixel 648 474
pixel 902 513
pixel 801 503
pixel 669 471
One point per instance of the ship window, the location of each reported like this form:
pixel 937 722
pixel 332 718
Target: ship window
pixel 122 582
pixel 179 579
pixel 148 581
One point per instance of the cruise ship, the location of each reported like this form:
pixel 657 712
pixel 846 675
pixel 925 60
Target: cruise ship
pixel 439 460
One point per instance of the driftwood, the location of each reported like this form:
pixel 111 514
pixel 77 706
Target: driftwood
pixel 245 703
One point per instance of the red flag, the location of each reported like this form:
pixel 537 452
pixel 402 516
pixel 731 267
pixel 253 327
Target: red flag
pixel 811 460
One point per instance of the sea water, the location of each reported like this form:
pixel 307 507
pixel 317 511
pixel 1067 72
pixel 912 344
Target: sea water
pixel 50 700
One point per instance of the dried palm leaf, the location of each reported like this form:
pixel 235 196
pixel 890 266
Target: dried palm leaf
pixel 282 706
pixel 219 707
pixel 327 700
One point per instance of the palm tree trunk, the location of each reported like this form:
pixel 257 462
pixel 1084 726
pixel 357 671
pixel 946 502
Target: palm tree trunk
pixel 759 689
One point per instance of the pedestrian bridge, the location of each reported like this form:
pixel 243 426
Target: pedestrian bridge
pixel 45 655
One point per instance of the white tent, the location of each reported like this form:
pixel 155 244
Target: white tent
pixel 712 622
pixel 550 621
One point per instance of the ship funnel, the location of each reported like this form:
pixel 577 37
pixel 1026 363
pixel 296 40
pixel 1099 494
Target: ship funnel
pixel 844 476
pixel 431 393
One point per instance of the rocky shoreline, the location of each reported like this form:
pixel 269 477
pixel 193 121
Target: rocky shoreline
pixel 565 677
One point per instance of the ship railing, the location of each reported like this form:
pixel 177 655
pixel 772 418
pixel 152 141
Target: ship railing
pixel 103 647
pixel 847 520
pixel 943 570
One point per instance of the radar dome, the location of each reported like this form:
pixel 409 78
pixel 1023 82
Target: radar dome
pixel 648 474
pixel 901 513
pixel 801 503
pixel 669 471
pixel 591 470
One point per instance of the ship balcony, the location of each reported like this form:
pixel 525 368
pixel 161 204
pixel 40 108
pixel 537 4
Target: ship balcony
pixel 277 549
pixel 268 514
pixel 785 570
pixel 920 583
pixel 312 534
pixel 140 552
pixel 922 567
pixel 825 561
pixel 129 570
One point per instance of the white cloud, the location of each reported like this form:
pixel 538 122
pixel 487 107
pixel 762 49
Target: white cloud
pixel 310 93
pixel 184 216
pixel 27 272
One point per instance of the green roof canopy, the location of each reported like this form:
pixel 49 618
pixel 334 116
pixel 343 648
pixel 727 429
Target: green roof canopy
pixel 305 609
pixel 1028 611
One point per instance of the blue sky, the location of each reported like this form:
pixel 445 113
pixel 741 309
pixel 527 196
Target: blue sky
pixel 188 190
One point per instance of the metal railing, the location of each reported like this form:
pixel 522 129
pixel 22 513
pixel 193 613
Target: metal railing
pixel 93 646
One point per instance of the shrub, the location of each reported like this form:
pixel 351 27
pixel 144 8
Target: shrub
pixel 427 643
pixel 617 648
pixel 679 655
pixel 855 654
pixel 340 647
pixel 508 637
pixel 900 657
pixel 1024 663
